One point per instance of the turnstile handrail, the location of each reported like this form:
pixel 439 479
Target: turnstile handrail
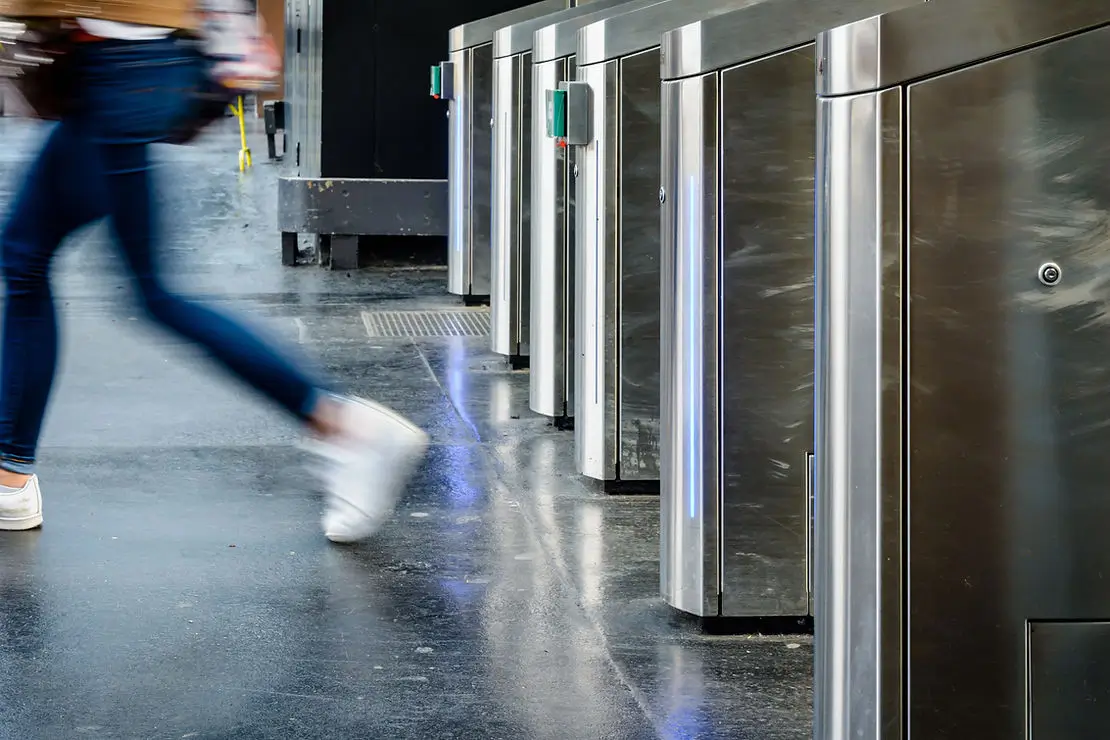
pixel 518 38
pixel 759 30
pixel 560 39
pixel 639 30
pixel 942 35
pixel 482 31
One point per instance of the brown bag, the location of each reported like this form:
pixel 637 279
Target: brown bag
pixel 179 14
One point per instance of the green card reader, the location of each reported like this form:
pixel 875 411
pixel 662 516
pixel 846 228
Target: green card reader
pixel 568 114
pixel 443 81
pixel 437 82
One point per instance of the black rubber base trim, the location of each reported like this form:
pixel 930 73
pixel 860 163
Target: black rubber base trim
pixel 631 487
pixel 770 626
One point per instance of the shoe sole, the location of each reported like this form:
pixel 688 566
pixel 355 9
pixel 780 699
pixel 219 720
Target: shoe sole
pixel 21 525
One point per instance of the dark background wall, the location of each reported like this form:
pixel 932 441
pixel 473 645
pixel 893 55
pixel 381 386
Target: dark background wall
pixel 378 119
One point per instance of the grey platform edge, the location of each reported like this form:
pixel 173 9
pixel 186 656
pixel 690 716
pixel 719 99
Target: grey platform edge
pixel 345 209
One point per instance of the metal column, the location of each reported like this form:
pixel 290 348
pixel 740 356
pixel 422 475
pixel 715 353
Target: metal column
pixel 964 373
pixel 617 298
pixel 304 54
pixel 739 133
pixel 551 386
pixel 304 63
pixel 470 150
pixel 511 228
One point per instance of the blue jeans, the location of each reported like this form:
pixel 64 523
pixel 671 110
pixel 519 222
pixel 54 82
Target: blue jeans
pixel 95 164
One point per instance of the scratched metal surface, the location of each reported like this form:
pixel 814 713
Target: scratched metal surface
pixel 638 278
pixel 768 137
pixel 1008 394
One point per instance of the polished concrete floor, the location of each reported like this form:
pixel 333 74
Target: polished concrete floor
pixel 181 587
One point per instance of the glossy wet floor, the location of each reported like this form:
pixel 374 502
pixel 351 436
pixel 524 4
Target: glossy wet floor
pixel 181 587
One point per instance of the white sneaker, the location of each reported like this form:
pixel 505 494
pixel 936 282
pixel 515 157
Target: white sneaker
pixel 367 468
pixel 21 509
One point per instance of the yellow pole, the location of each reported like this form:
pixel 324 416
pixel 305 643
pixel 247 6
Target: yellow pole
pixel 245 160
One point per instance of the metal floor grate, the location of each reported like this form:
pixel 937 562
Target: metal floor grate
pixel 461 322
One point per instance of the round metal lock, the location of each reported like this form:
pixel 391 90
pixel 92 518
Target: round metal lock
pixel 662 196
pixel 491 122
pixel 575 171
pixel 1050 274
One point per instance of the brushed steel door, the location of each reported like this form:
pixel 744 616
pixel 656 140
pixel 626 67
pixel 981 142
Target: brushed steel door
pixel 737 351
pixel 481 167
pixel 767 141
pixel 964 365
pixel 635 322
pixel 1009 383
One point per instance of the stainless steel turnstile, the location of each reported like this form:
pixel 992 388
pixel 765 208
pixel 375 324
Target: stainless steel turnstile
pixel 616 279
pixel 551 382
pixel 512 189
pixel 964 373
pixel 467 85
pixel 739 133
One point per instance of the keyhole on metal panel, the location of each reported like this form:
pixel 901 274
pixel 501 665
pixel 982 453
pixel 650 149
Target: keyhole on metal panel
pixel 1050 274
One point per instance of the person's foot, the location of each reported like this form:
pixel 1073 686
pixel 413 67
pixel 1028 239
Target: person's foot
pixel 368 462
pixel 21 508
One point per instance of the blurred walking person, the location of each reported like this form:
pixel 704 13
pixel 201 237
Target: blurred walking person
pixel 135 76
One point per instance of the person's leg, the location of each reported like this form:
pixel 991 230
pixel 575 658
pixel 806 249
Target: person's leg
pixel 261 365
pixel 53 201
pixel 132 90
pixel 371 450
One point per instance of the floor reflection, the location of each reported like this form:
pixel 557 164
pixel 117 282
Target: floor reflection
pixel 194 596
